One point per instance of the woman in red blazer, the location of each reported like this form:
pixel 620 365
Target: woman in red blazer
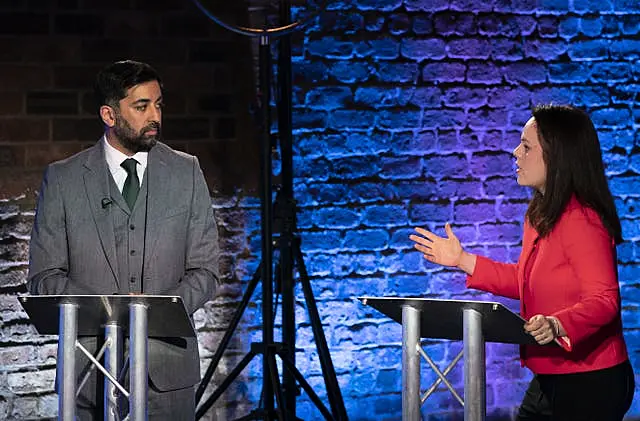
pixel 566 276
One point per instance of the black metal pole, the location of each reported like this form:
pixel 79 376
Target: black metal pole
pixel 224 385
pixel 287 206
pixel 328 370
pixel 226 339
pixel 266 215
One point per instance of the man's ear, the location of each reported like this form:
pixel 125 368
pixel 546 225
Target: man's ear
pixel 108 115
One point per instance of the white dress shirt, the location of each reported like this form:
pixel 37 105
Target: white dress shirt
pixel 115 158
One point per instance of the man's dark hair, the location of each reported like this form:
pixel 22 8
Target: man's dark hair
pixel 113 81
pixel 572 155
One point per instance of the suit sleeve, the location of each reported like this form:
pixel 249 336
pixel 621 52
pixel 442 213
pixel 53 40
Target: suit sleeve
pixel 201 276
pixel 589 250
pixel 494 277
pixel 48 256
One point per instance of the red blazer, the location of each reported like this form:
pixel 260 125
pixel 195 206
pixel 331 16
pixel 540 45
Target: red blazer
pixel 573 277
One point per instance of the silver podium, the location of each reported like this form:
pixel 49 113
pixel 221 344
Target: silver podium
pixel 474 322
pixel 142 316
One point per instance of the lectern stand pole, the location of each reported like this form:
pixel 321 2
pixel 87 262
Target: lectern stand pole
pixel 410 363
pixel 113 361
pixel 474 366
pixel 67 363
pixel 138 341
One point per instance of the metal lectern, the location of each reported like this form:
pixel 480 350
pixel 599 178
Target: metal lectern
pixel 474 322
pixel 71 316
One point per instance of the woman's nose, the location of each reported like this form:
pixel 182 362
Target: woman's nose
pixel 516 151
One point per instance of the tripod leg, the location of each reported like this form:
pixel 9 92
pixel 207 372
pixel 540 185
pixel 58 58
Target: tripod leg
pixel 251 287
pixel 328 371
pixel 223 386
pixel 307 388
pixel 275 381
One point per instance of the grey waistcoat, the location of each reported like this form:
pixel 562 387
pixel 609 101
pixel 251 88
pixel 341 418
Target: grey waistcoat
pixel 129 227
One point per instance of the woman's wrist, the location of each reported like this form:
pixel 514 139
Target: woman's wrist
pixel 558 330
pixel 555 328
pixel 467 262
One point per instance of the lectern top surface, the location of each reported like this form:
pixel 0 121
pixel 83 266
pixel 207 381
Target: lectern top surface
pixel 442 318
pixel 166 315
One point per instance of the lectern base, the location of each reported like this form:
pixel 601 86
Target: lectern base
pixel 473 322
pixel 67 343
pixel 474 366
pixel 112 315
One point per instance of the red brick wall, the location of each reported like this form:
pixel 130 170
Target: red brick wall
pixel 51 50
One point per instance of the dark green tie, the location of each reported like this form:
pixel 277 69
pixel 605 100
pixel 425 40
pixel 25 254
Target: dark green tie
pixel 132 183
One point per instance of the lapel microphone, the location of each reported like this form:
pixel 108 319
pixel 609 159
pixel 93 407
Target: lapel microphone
pixel 106 201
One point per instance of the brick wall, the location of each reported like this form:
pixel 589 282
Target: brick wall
pixel 405 114
pixel 50 52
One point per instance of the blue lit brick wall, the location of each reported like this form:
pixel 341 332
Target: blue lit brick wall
pixel 406 113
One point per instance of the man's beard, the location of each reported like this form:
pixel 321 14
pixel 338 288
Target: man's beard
pixel 136 142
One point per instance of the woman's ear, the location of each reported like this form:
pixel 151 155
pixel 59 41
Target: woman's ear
pixel 108 115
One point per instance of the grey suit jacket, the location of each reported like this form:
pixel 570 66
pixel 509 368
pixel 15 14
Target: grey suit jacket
pixel 72 249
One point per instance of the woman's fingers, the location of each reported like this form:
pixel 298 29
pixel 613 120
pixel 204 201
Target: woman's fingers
pixel 534 323
pixel 540 328
pixel 420 240
pixel 543 339
pixel 440 250
pixel 427 250
pixel 428 234
pixel 423 249
pixel 449 231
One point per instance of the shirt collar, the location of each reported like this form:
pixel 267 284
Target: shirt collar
pixel 114 157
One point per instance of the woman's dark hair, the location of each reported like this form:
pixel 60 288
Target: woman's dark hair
pixel 572 155
pixel 113 81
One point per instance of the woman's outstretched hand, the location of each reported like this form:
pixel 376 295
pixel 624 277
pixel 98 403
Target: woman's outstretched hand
pixel 443 251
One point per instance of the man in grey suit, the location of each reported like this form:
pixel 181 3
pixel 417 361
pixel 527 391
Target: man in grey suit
pixel 130 215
